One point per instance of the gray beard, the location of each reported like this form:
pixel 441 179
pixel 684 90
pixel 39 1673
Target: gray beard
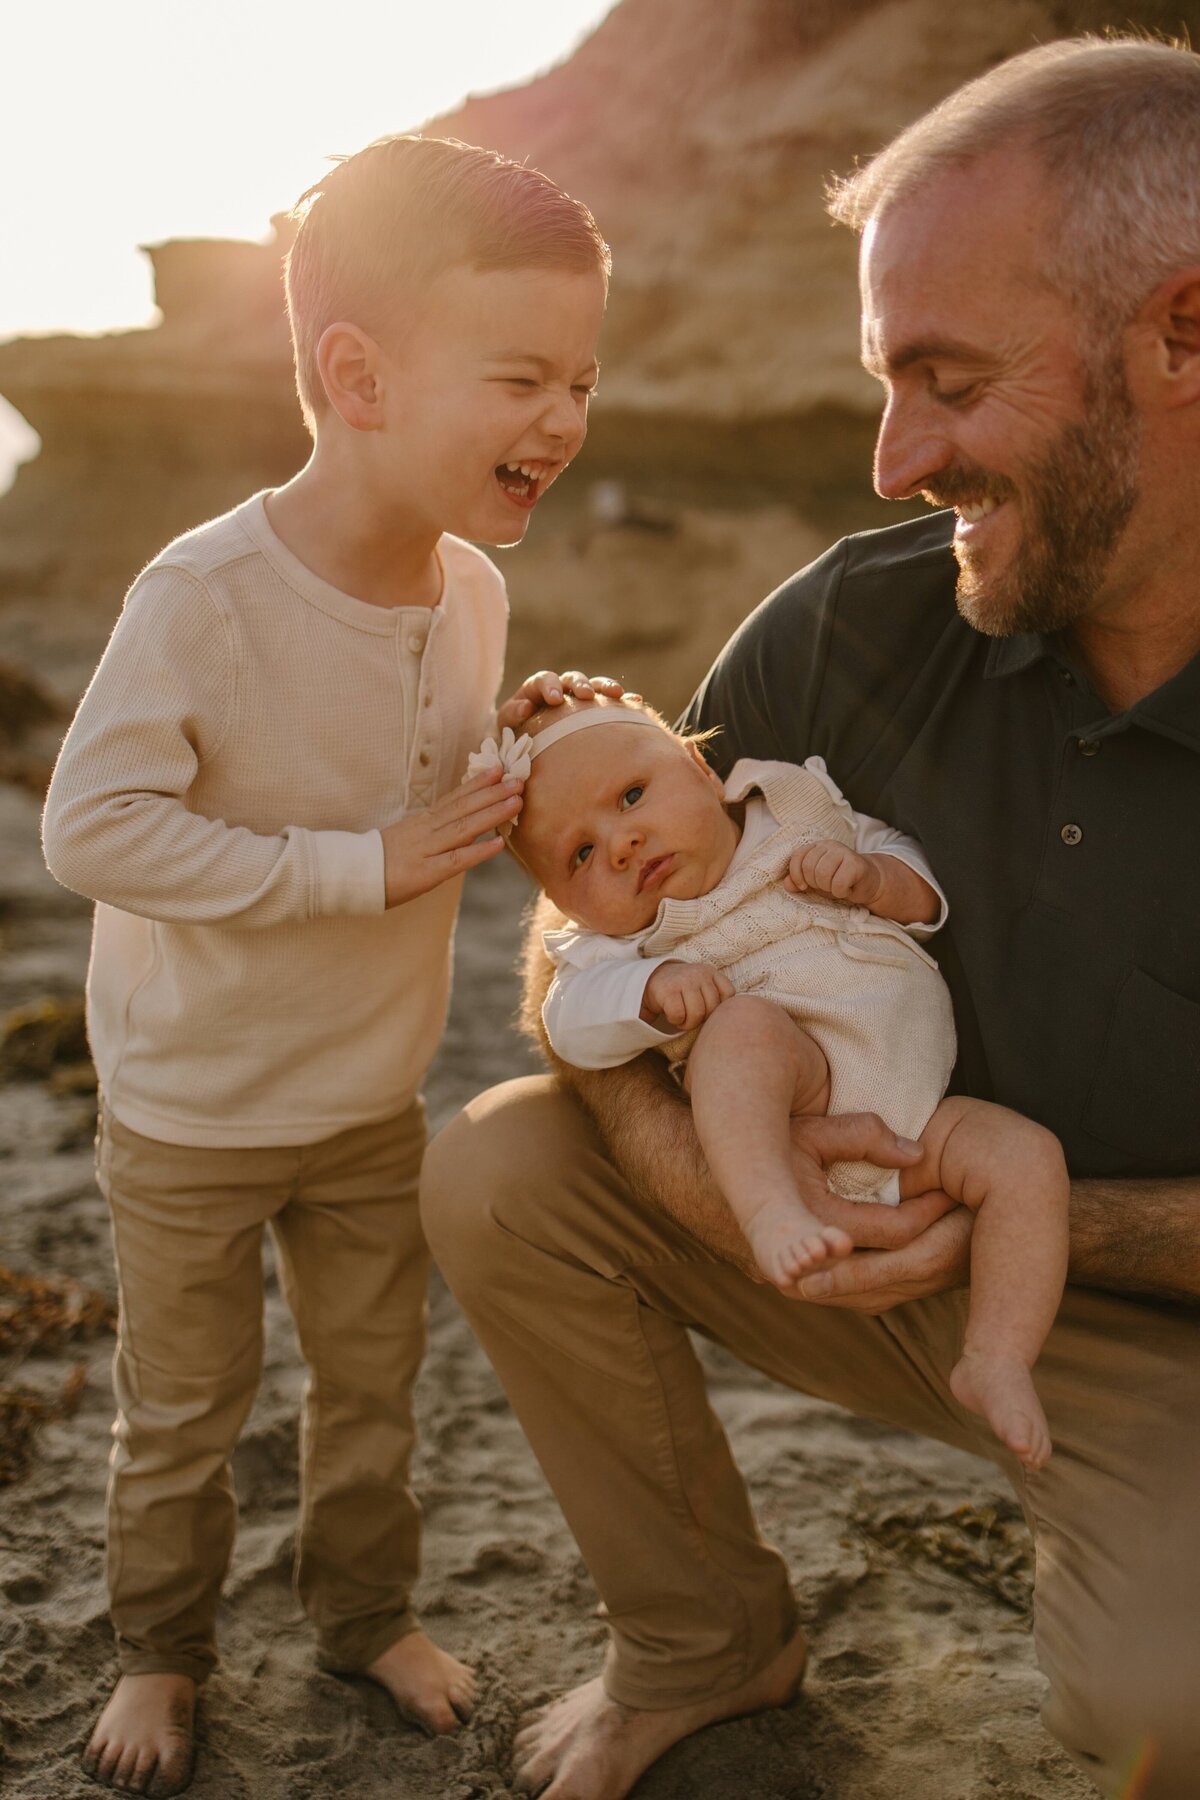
pixel 1076 504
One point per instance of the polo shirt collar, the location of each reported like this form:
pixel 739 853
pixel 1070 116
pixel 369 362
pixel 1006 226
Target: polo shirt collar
pixel 1172 710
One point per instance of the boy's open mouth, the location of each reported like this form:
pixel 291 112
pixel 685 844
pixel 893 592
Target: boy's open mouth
pixel 521 481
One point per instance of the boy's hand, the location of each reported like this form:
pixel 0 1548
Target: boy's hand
pixel 426 848
pixel 547 689
pixel 836 871
pixel 684 994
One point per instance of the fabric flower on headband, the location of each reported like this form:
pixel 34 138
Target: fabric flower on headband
pixel 511 754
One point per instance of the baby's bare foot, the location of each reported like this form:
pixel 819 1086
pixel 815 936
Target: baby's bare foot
pixel 144 1741
pixel 1001 1388
pixel 788 1241
pixel 430 1688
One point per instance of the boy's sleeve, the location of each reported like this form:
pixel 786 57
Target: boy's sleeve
pixel 117 826
pixel 592 1012
pixel 872 837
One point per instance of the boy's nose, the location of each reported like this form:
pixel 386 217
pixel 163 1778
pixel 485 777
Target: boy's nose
pixel 566 421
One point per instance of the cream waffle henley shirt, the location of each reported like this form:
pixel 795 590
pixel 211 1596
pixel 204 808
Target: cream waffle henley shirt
pixel 220 795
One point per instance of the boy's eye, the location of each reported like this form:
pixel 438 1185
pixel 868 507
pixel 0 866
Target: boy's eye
pixel 581 856
pixel 522 381
pixel 631 796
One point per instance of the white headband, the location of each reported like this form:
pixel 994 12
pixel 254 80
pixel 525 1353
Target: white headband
pixel 614 714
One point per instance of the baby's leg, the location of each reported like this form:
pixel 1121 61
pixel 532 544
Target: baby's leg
pixel 750 1070
pixel 1012 1174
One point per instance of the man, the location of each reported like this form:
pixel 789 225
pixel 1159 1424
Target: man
pixel 1031 305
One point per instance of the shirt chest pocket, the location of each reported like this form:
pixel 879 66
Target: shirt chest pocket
pixel 1145 1097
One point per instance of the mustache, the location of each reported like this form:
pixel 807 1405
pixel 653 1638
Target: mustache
pixel 965 483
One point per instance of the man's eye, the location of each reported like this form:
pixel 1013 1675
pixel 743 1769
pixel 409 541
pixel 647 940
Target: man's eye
pixel 581 856
pixel 961 396
pixel 631 796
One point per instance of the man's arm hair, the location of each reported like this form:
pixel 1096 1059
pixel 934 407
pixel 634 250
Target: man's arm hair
pixel 642 1116
pixel 1137 1237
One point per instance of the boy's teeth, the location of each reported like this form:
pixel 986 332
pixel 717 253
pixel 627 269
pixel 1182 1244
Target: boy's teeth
pixel 974 510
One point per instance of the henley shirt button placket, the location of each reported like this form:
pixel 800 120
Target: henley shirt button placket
pixel 1089 747
pixel 1071 834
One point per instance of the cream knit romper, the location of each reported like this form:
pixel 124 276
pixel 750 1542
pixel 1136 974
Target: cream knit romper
pixel 870 996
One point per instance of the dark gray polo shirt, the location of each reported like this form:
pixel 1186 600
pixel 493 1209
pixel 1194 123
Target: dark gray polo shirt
pixel 1067 839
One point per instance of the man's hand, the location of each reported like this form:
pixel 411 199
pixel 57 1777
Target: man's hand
pixel 684 994
pixel 903 1252
pixel 426 848
pixel 835 871
pixel 545 688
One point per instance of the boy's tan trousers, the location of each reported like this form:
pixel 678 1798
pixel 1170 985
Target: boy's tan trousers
pixel 187 1230
pixel 583 1294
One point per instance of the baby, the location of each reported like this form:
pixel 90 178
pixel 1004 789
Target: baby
pixel 765 937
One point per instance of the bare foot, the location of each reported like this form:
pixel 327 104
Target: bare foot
pixel 430 1688
pixel 589 1747
pixel 1001 1388
pixel 788 1241
pixel 144 1741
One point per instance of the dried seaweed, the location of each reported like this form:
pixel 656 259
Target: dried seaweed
pixel 22 1414
pixel 38 1039
pixel 987 1546
pixel 39 1313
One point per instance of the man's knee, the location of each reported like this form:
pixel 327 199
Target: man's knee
pixel 492 1168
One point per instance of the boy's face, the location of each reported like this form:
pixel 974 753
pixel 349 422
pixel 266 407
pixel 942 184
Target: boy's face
pixel 493 372
pixel 619 818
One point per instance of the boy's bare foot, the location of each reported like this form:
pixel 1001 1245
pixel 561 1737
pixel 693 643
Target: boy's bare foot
pixel 587 1746
pixel 144 1741
pixel 788 1241
pixel 429 1688
pixel 1001 1388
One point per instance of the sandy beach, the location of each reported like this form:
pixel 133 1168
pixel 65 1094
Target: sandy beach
pixel 910 1561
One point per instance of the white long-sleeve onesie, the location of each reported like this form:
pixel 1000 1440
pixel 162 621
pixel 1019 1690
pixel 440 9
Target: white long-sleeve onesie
pixel 862 986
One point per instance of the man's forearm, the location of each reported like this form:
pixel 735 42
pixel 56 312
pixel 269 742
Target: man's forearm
pixel 1137 1237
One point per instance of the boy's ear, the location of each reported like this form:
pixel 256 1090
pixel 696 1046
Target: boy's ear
pixel 348 360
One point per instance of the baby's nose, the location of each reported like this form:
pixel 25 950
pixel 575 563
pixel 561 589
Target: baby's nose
pixel 624 845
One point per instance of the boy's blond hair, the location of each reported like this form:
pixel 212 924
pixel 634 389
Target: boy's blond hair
pixel 375 231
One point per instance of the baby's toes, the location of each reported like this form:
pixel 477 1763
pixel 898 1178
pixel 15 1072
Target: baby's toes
pixel 838 1243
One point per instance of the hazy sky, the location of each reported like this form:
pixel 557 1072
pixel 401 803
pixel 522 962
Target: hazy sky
pixel 123 122
pixel 128 121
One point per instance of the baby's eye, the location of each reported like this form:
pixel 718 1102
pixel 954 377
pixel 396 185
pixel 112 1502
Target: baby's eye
pixel 631 796
pixel 581 856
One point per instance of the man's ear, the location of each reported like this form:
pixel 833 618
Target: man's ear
pixel 1166 342
pixel 348 360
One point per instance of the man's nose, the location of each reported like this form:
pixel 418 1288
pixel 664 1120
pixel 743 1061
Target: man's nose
pixel 911 450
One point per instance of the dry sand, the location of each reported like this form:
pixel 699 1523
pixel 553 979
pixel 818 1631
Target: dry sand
pixel 923 1680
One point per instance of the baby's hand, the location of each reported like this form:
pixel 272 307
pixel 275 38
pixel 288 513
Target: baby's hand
pixel 836 871
pixel 547 689
pixel 426 848
pixel 684 994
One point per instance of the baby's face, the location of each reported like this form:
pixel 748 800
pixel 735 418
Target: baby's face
pixel 619 818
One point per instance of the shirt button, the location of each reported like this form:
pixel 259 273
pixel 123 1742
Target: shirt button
pixel 1089 747
pixel 423 759
pixel 428 700
pixel 416 641
pixel 1071 834
pixel 1066 675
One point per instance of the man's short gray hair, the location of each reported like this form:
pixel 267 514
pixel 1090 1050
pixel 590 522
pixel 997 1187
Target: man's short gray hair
pixel 1115 123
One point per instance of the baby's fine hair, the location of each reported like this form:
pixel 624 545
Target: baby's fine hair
pixel 376 230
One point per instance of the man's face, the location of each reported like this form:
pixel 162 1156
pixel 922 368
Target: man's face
pixel 993 405
pixel 619 818
pixel 490 377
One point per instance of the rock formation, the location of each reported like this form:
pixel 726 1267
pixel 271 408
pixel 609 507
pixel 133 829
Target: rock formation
pixel 701 134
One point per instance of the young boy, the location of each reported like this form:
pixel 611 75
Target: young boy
pixel 262 792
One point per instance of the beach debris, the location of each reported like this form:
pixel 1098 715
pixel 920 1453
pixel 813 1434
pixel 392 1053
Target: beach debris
pixel 47 1041
pixel 987 1546
pixel 42 1314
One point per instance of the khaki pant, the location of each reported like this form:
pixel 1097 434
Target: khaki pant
pixel 187 1229
pixel 582 1295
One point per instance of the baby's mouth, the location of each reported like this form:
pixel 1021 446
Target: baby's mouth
pixel 650 871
